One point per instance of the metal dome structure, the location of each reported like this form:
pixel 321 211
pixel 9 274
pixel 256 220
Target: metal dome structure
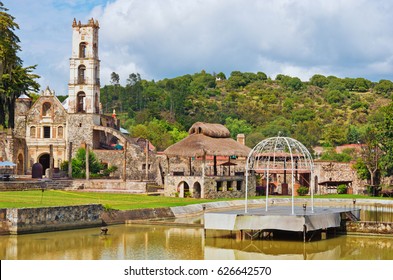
pixel 280 154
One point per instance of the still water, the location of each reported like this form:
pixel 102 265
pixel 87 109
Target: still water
pixel 139 242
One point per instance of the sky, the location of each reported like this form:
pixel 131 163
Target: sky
pixel 168 38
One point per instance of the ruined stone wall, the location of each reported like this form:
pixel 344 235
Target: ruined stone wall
pixel 369 227
pixel 337 171
pixel 6 147
pixel 111 185
pixel 80 130
pixel 35 185
pixel 30 220
pixel 135 163
pixel 210 187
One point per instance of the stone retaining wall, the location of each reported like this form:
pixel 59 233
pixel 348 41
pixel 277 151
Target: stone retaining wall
pixel 369 227
pixel 110 185
pixel 31 220
pixel 119 217
pixel 95 184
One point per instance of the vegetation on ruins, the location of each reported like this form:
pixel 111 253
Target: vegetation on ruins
pixel 97 169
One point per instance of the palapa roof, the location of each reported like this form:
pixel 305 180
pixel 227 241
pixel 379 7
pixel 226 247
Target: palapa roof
pixel 207 139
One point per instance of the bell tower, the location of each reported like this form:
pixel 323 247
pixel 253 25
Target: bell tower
pixel 84 84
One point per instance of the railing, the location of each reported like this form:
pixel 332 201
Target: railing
pixel 85 81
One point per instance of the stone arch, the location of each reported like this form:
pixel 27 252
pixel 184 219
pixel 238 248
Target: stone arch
pixel 82 50
pixel 46 109
pixel 96 103
pixel 196 190
pixel 44 160
pixel 183 188
pixel 81 74
pixel 20 166
pixel 81 102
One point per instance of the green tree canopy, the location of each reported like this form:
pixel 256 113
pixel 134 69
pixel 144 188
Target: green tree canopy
pixel 14 78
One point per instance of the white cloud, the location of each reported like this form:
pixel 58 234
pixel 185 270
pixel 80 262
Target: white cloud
pixel 160 39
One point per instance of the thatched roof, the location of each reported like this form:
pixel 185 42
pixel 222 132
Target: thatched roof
pixel 207 139
pixel 215 130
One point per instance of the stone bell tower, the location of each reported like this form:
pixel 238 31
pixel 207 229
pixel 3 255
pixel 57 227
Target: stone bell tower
pixel 84 85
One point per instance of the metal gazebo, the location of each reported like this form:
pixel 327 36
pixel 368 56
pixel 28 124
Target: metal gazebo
pixel 279 154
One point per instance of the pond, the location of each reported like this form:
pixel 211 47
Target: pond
pixel 152 242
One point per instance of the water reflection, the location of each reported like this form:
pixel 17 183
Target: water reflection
pixel 337 248
pixel 163 242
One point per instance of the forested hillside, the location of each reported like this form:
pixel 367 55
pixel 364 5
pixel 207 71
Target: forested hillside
pixel 325 111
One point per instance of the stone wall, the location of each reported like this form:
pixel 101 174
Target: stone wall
pixel 80 130
pixel 31 220
pixel 369 227
pixel 35 185
pixel 337 171
pixel 80 184
pixel 6 146
pixel 209 186
pixel 119 217
pixel 109 185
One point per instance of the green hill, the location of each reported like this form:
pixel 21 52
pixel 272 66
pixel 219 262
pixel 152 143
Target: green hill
pixel 322 111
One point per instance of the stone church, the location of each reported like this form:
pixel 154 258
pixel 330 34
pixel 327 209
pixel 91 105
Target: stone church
pixel 50 132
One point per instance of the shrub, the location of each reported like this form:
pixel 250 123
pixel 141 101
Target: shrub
pixel 342 189
pixel 302 190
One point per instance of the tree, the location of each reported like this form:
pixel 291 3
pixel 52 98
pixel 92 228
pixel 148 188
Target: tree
pixel 14 79
pixel 384 87
pixel 319 80
pixel 384 128
pixel 79 164
pixel 371 154
pixel 237 126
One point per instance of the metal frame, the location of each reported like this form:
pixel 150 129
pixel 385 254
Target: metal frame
pixel 280 154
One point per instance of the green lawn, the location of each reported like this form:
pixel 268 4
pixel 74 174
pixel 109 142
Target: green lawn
pixel 25 199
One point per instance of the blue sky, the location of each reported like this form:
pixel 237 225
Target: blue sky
pixel 168 38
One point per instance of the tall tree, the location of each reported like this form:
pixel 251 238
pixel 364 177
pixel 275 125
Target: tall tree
pixel 372 154
pixel 14 79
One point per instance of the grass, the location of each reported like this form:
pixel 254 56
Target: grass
pixel 37 198
pixel 34 199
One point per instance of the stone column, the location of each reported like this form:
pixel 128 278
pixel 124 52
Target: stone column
pixel 50 161
pixel 147 160
pixel 70 160
pixel 125 162
pixel 87 162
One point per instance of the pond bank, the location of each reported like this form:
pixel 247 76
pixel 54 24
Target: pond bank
pixel 32 220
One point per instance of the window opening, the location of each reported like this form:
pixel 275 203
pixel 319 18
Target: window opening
pixel 82 50
pixel 46 108
pixel 81 74
pixel 46 131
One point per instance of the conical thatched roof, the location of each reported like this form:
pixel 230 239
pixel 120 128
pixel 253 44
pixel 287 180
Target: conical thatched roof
pixel 207 139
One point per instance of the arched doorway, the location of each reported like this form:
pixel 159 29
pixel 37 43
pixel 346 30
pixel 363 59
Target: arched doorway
pixel 197 190
pixel 44 159
pixel 20 165
pixel 184 189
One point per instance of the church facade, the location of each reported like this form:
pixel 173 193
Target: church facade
pixel 50 132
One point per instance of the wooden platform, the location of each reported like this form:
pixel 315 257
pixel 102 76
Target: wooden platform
pixel 279 218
